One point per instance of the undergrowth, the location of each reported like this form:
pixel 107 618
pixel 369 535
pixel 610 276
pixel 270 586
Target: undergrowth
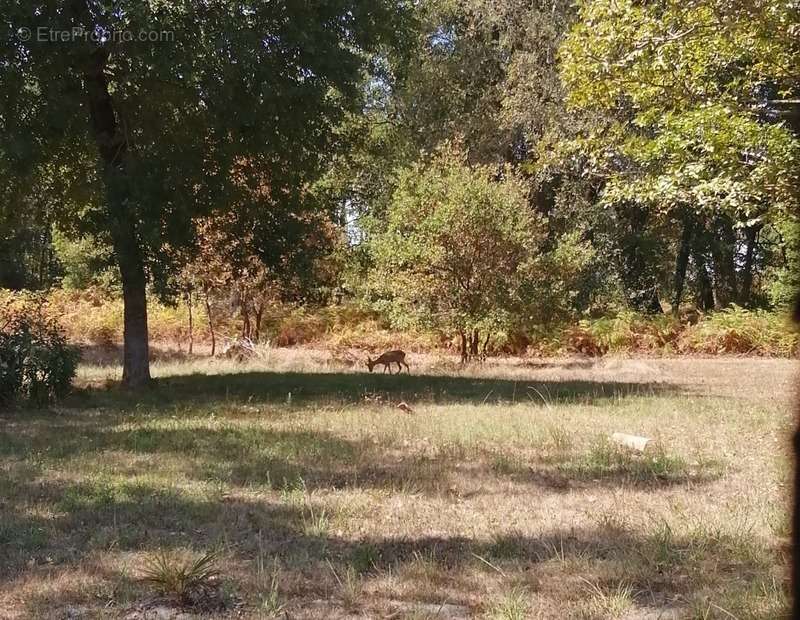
pixel 92 317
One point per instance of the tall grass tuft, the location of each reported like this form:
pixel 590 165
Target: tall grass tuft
pixel 185 579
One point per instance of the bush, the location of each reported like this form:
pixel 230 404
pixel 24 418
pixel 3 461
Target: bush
pixel 36 363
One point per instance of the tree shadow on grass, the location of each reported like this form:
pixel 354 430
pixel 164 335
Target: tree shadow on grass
pixel 656 564
pixel 250 456
pixel 326 388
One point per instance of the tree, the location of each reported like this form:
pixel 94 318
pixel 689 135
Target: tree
pixel 151 113
pixel 459 248
pixel 688 129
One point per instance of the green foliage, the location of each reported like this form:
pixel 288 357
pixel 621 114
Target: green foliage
pixel 36 363
pixel 686 123
pixel 459 248
pixel 85 262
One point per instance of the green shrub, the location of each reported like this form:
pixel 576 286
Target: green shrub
pixel 36 363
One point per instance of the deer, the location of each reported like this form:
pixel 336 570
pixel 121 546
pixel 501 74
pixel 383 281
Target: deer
pixel 387 359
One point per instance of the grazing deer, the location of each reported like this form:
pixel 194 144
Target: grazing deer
pixel 387 359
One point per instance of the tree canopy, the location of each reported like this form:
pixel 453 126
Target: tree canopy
pixel 136 117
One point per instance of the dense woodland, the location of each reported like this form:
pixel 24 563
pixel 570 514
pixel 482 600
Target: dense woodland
pixel 468 166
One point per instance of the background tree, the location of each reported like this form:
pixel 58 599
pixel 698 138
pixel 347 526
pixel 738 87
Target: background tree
pixel 688 130
pixel 458 249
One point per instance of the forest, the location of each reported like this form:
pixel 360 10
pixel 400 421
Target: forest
pixel 482 170
pixel 575 223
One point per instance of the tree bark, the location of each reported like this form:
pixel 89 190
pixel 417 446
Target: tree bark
pixel 136 348
pixel 751 237
pixel 681 263
pixel 259 312
pixel 486 345
pixel 191 321
pixel 723 250
pixel 245 310
pixel 705 290
pixel 210 320
pixel 473 344
pixel 112 145
pixel 464 352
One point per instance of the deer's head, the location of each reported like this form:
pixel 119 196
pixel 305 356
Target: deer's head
pixel 370 363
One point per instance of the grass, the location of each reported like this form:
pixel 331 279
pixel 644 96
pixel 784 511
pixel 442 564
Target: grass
pixel 491 500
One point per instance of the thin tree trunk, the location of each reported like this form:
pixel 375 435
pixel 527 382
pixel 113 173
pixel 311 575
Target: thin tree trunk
pixel 464 352
pixel 246 328
pixel 473 344
pixel 723 252
pixel 681 263
pixel 191 322
pixel 706 292
pixel 259 310
pixel 751 236
pixel 486 344
pixel 210 320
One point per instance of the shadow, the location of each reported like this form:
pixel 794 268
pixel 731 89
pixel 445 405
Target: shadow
pixel 111 354
pixel 659 568
pixel 336 387
pixel 569 364
pixel 256 457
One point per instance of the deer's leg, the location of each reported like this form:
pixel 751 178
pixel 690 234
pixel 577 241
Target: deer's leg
pixel 385 368
pixel 407 368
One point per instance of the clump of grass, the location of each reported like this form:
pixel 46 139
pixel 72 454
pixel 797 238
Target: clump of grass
pixel 270 602
pixel 605 459
pixel 514 605
pixel 558 439
pixel 316 523
pixel 504 463
pixel 189 580
pixel 605 604
pixel 350 586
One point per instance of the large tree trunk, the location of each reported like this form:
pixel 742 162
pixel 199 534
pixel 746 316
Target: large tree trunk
pixel 136 352
pixel 112 145
pixel 681 263
pixel 485 345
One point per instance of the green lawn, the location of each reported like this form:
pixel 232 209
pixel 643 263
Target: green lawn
pixel 500 496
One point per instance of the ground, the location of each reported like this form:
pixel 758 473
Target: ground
pixel 498 495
